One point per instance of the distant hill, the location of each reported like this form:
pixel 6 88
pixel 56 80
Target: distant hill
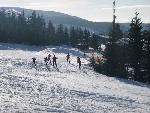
pixel 61 18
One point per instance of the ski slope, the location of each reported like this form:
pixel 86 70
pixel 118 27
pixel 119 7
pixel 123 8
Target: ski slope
pixel 25 88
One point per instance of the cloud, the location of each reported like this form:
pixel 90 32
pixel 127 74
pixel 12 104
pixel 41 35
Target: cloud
pixel 128 7
pixel 44 5
pixel 51 4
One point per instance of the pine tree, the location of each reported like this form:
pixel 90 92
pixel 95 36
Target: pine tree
pixel 32 39
pixel 94 41
pixel 86 36
pixel 66 35
pixel 41 31
pixel 73 35
pixel 135 46
pixel 112 63
pixel 21 28
pixel 51 33
pixel 3 19
pixel 37 29
pixel 80 34
pixel 60 34
pixel 146 56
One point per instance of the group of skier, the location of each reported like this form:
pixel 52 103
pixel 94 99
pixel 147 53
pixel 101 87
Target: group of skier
pixel 54 63
pixel 48 60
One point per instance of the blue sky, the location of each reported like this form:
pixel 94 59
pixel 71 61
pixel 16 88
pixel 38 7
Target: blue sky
pixel 93 10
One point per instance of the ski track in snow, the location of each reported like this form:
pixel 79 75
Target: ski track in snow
pixel 25 88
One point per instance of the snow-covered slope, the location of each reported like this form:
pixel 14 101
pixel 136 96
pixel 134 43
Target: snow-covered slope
pixel 66 89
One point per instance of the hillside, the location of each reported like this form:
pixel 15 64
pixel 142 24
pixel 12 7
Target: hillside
pixel 61 18
pixel 66 89
pixel 68 20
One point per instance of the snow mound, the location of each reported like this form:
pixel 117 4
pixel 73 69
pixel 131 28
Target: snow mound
pixel 65 89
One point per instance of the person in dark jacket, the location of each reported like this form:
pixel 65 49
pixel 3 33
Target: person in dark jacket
pixel 54 60
pixel 49 58
pixel 46 60
pixel 34 59
pixel 79 62
pixel 68 58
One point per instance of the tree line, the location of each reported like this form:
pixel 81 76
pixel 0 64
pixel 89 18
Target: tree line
pixel 33 30
pixel 127 55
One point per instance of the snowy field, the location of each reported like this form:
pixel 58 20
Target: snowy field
pixel 25 88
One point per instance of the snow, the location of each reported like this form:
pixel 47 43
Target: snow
pixel 66 89
pixel 103 47
pixel 11 11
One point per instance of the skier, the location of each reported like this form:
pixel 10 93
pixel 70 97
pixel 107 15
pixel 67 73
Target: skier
pixel 45 60
pixel 49 58
pixel 68 58
pixel 54 61
pixel 79 62
pixel 34 59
